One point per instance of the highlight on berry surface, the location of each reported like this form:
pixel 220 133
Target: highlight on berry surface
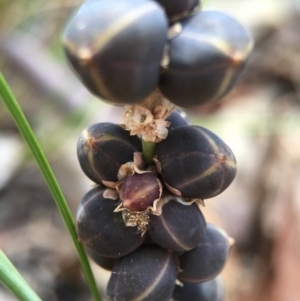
pixel 100 42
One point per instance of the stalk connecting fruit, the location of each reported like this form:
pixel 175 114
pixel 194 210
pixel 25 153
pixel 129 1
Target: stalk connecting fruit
pixel 143 221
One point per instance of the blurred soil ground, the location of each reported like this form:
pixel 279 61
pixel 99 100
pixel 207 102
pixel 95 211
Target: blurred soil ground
pixel 259 120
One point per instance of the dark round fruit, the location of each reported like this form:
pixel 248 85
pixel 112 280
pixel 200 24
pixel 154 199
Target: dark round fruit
pixel 102 148
pixel 178 9
pixel 101 229
pixel 147 274
pixel 208 259
pixel 177 119
pixel 104 262
pixel 211 290
pixel 206 59
pixel 179 227
pixel 139 191
pixel 196 162
pixel 115 47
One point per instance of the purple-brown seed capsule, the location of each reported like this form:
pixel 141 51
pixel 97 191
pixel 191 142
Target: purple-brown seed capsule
pixel 139 191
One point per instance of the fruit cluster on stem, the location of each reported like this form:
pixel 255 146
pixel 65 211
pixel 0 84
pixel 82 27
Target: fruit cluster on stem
pixel 143 220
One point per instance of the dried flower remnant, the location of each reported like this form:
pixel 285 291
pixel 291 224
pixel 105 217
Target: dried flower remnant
pixel 139 191
pixel 147 119
pixel 136 219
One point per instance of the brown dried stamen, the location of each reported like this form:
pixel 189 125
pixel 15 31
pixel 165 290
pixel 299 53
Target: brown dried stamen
pixel 136 219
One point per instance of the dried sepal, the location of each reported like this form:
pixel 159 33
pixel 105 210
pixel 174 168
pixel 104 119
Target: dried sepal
pixel 155 209
pixel 110 194
pixel 109 184
pixel 138 189
pixel 169 187
pixel 147 118
pixel 140 219
pixel 128 169
pixel 174 30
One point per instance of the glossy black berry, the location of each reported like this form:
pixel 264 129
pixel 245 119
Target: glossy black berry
pixel 179 227
pixel 103 230
pixel 104 262
pixel 208 259
pixel 195 162
pixel 177 119
pixel 178 9
pixel 102 148
pixel 115 47
pixel 206 59
pixel 147 274
pixel 211 290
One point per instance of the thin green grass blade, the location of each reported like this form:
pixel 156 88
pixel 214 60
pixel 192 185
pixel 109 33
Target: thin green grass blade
pixel 28 135
pixel 13 280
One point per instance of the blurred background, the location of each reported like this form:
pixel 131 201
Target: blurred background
pixel 259 120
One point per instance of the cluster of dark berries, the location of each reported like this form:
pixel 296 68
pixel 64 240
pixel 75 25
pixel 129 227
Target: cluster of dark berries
pixel 143 219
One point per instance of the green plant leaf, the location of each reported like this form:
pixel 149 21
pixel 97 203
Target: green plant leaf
pixel 13 280
pixel 28 135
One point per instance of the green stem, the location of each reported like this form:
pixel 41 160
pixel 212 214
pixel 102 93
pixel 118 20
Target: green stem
pixel 13 280
pixel 148 151
pixel 28 135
